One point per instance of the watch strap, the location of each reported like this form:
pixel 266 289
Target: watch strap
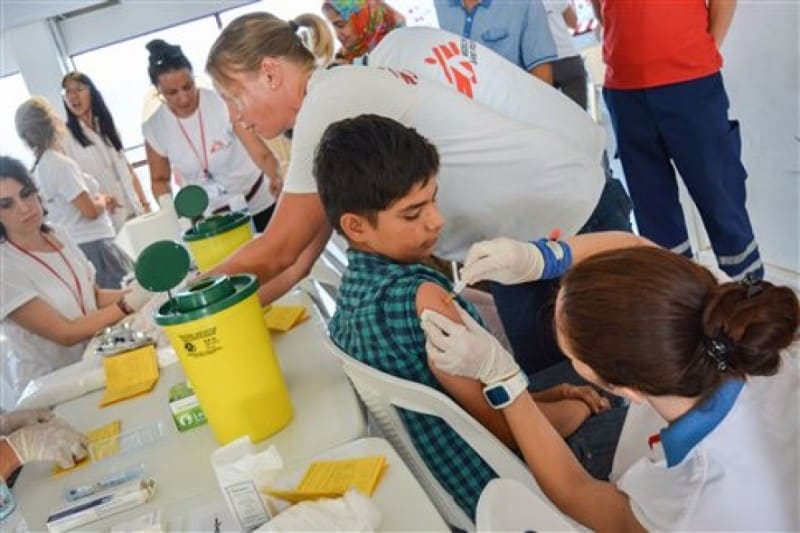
pixel 502 393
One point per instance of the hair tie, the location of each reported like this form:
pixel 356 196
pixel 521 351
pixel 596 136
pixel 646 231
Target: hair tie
pixel 293 25
pixel 753 286
pixel 718 349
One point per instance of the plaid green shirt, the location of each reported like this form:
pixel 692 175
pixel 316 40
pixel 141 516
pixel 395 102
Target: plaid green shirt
pixel 376 322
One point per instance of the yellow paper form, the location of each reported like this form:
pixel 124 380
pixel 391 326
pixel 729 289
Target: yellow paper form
pixel 129 374
pixel 103 442
pixel 331 479
pixel 285 317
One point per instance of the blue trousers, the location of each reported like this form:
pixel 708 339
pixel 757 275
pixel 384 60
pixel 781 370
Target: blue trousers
pixel 526 309
pixel 686 124
pixel 595 442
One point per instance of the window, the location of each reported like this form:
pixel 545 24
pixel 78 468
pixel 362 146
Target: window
pixel 14 92
pixel 120 70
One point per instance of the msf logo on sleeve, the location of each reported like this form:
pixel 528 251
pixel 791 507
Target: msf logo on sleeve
pixel 457 64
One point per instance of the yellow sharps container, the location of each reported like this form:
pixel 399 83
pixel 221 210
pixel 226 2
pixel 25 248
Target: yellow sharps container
pixel 212 239
pixel 217 328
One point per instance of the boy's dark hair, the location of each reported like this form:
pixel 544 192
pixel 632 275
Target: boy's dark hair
pixel 364 164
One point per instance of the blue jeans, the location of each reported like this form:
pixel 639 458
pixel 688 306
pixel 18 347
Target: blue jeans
pixel 526 310
pixel 595 442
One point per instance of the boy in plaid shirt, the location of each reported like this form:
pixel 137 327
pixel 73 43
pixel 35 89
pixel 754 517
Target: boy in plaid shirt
pixel 377 182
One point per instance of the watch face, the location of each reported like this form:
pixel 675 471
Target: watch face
pixel 497 395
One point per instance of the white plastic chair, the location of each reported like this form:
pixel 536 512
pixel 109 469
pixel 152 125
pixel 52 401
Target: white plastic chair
pixel 383 394
pixel 508 505
pixel 593 59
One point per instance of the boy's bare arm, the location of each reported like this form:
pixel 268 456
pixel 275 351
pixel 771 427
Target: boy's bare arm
pixel 467 392
pixel 566 415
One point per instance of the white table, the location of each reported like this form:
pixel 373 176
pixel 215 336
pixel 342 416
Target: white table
pixel 326 414
pixel 403 503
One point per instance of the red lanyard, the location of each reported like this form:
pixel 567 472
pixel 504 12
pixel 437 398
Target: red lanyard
pixel 204 160
pixel 78 296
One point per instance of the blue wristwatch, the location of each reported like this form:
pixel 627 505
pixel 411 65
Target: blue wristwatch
pixel 504 392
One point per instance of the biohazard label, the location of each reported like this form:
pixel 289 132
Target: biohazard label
pixel 201 343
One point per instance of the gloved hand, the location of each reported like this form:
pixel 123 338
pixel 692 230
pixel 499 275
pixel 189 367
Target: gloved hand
pixel 14 420
pixel 52 441
pixel 466 350
pixel 136 296
pixel 509 261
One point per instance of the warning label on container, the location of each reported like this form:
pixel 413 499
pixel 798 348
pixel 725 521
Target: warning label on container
pixel 201 343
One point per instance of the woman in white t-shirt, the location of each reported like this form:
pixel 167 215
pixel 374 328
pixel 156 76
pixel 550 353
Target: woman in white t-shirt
pixel 72 198
pixel 190 133
pixel 94 143
pixel 49 303
pixel 711 370
pixel 500 175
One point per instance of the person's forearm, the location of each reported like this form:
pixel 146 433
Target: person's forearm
pixel 107 297
pixel 566 416
pixel 589 244
pixel 9 462
pixel 555 468
pixel 570 17
pixel 160 186
pixel 598 11
pixel 720 16
pixel 137 188
pixel 544 72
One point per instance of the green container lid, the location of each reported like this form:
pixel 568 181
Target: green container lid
pixel 162 266
pixel 191 201
pixel 206 297
pixel 216 225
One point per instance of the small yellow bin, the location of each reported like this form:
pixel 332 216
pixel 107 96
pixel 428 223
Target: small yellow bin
pixel 218 331
pixel 212 240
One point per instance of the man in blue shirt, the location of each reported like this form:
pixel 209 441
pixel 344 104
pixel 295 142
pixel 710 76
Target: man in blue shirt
pixel 516 29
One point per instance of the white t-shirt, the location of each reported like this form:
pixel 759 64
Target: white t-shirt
pixel 26 355
pixel 60 181
pixel 742 474
pixel 488 78
pixel 110 168
pixel 228 161
pixel 561 33
pixel 497 177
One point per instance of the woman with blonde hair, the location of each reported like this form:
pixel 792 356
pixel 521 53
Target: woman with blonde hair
pixel 544 173
pixel 72 198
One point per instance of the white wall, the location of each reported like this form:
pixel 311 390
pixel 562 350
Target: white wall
pixel 761 73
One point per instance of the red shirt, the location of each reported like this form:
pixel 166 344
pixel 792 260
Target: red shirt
pixel 648 43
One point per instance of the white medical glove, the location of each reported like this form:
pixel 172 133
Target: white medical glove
pixel 466 350
pixel 502 260
pixel 14 420
pixel 136 296
pixel 509 262
pixel 52 441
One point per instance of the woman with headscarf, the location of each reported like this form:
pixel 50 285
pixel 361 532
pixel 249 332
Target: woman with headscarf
pixel 360 25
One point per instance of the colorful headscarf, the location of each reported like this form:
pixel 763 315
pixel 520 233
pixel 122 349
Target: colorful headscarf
pixel 371 19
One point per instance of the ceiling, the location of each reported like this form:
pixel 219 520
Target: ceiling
pixel 20 12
